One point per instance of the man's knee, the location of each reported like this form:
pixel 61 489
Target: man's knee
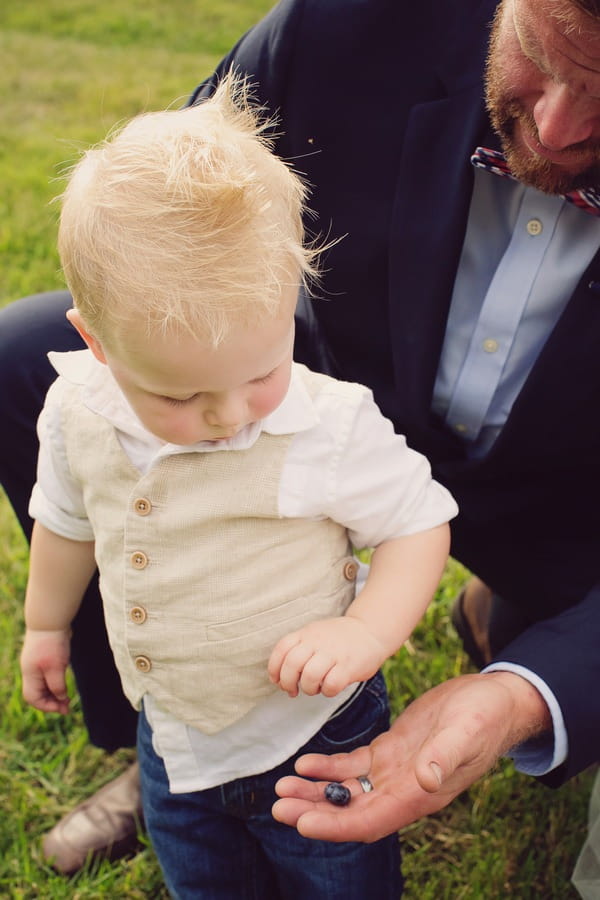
pixel 29 328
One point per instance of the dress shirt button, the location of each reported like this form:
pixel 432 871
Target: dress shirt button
pixel 142 506
pixel 139 560
pixel 142 664
pixel 460 427
pixel 490 345
pixel 138 615
pixel 350 570
pixel 534 227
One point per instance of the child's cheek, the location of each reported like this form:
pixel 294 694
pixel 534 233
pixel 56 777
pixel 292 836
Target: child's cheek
pixel 270 398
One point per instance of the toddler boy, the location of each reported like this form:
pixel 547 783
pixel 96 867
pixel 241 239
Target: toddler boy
pixel 220 487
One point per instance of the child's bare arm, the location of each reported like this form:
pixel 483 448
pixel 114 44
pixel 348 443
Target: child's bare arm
pixel 327 655
pixel 59 572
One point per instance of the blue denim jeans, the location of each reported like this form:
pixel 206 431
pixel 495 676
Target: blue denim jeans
pixel 223 843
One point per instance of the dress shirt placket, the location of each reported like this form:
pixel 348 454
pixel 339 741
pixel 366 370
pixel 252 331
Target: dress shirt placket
pixel 503 308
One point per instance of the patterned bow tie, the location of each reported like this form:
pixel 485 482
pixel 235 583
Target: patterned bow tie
pixel 587 199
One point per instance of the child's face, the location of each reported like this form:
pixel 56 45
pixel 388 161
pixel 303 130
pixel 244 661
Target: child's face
pixel 185 391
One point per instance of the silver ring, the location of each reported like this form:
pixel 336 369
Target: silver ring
pixel 364 783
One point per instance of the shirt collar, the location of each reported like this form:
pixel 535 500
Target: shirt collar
pixel 102 396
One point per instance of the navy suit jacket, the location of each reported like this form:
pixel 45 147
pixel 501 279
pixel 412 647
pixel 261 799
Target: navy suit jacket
pixel 380 106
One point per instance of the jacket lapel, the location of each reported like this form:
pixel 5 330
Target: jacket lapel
pixel 433 193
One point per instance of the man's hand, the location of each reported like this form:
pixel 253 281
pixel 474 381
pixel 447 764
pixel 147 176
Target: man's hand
pixel 44 660
pixel 326 656
pixel 437 748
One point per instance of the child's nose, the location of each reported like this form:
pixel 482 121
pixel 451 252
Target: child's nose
pixel 225 411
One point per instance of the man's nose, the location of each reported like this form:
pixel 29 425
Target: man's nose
pixel 564 119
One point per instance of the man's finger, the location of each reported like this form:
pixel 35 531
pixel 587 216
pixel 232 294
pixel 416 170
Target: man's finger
pixel 367 818
pixel 338 767
pixel 300 789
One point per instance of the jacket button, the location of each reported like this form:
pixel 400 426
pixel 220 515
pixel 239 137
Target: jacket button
pixel 139 560
pixel 142 664
pixel 142 506
pixel 350 570
pixel 137 614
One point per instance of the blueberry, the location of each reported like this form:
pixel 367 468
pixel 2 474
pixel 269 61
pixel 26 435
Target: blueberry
pixel 337 793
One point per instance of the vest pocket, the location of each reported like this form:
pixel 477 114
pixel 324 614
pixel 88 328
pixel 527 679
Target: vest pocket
pixel 268 626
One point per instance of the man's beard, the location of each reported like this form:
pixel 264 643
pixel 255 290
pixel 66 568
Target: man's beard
pixel 505 111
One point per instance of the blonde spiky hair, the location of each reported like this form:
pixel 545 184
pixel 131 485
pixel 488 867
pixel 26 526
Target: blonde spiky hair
pixel 184 219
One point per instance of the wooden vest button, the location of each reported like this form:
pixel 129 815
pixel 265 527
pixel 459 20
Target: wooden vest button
pixel 139 560
pixel 350 570
pixel 137 614
pixel 142 664
pixel 142 506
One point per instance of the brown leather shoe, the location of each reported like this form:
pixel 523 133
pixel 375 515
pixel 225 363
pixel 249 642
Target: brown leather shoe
pixel 471 615
pixel 105 825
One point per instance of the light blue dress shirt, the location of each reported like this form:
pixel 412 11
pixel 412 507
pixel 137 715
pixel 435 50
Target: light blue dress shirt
pixel 523 254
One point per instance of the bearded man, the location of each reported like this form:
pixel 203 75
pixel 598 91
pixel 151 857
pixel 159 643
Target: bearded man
pixel 454 148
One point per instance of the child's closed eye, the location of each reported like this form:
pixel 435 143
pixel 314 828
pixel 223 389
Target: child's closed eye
pixel 264 378
pixel 174 401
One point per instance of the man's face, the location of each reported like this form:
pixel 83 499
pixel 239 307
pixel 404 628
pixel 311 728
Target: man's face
pixel 543 93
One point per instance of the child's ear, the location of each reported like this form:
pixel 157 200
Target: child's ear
pixel 74 317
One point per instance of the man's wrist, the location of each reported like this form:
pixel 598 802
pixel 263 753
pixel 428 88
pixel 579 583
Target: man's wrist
pixel 531 715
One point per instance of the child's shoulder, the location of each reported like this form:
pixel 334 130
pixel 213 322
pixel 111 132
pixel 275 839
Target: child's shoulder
pixel 318 384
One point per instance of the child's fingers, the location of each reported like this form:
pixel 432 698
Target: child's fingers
pixel 49 704
pixel 336 679
pixel 293 666
pixel 278 654
pixel 57 685
pixel 315 672
pixel 34 688
pixel 37 692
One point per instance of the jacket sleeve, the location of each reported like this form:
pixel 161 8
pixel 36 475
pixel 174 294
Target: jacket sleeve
pixel 564 652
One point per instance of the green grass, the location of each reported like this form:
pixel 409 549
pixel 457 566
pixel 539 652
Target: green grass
pixel 71 69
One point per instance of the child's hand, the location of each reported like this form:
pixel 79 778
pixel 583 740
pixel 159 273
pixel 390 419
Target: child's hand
pixel 44 660
pixel 325 656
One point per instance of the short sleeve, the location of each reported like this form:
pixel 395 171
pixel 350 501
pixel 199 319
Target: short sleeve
pixel 57 500
pixel 354 469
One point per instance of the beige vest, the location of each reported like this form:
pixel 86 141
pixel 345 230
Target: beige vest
pixel 199 575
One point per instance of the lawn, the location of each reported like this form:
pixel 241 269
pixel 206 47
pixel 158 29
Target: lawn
pixel 70 70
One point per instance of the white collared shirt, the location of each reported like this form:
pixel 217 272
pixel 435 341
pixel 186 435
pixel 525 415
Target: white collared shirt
pixel 344 462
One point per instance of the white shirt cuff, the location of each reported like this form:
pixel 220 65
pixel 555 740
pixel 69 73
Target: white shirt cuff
pixel 540 755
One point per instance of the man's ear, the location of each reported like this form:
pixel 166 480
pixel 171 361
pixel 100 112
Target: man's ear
pixel 74 317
